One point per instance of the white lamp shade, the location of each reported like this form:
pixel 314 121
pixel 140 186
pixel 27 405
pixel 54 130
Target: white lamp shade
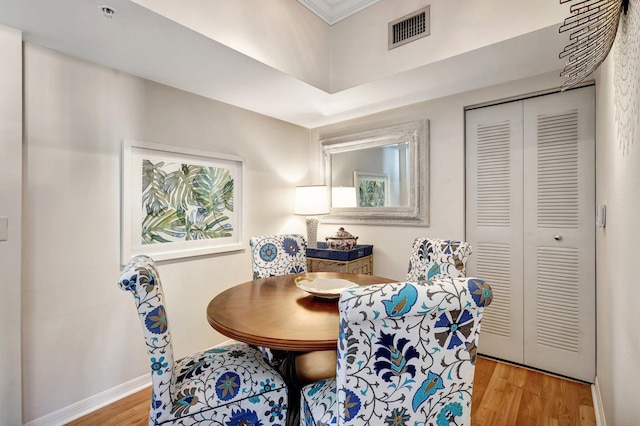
pixel 312 200
pixel 343 196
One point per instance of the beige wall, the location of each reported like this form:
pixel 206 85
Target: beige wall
pixel 618 183
pixel 446 169
pixel 10 207
pixel 81 335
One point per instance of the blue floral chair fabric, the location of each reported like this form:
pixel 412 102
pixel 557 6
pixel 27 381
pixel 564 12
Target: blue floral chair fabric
pixel 406 356
pixel 274 255
pixel 432 258
pixel 230 385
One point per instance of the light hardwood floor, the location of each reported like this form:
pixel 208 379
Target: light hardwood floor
pixel 503 395
pixel 507 395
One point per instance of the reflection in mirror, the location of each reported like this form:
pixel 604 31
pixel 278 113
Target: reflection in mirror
pixel 343 196
pixel 387 168
pixel 379 174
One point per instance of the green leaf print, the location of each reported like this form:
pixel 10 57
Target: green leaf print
pixel 183 202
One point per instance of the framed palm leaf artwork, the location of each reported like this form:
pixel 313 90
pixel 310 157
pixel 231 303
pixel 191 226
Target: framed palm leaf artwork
pixel 372 189
pixel 179 202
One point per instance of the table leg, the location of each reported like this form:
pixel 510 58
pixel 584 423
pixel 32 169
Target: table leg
pixel 288 370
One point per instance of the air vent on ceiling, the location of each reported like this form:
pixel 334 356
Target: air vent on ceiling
pixel 409 28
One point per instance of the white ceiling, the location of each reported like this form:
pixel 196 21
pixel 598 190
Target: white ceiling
pixel 142 43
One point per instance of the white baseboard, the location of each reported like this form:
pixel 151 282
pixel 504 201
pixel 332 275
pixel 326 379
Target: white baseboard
pixel 95 402
pixel 86 406
pixel 597 404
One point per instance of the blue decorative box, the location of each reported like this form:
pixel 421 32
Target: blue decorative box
pixel 322 252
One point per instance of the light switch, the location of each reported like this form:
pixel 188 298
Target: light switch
pixel 4 225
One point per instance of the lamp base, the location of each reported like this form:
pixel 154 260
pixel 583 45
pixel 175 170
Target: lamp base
pixel 312 232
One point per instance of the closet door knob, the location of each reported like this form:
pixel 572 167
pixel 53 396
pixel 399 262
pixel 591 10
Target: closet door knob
pixel 557 237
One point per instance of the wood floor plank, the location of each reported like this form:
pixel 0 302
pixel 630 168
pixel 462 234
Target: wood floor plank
pixel 569 407
pixel 503 395
pixel 130 411
pixel 534 398
pixel 550 394
pixel 484 371
pixel 485 411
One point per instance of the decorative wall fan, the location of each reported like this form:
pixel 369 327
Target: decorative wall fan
pixel 593 25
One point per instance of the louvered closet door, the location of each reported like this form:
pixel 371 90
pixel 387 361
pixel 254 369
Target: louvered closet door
pixel 530 219
pixel 494 222
pixel 559 239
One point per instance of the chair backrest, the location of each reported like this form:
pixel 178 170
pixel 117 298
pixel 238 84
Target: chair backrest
pixel 274 255
pixel 407 351
pixel 141 278
pixel 432 258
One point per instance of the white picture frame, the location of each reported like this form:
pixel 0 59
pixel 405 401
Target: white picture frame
pixel 179 202
pixel 372 189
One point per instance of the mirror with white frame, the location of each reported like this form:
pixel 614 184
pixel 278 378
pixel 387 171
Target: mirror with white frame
pixel 387 168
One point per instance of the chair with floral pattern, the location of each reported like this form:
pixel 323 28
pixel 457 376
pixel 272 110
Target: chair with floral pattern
pixel 228 385
pixel 406 355
pixel 432 258
pixel 273 255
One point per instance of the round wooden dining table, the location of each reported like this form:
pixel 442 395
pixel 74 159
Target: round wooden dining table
pixel 273 312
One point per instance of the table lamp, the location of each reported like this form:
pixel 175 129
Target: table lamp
pixel 312 200
pixel 343 196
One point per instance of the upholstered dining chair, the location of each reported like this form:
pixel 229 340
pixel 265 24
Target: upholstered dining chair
pixel 273 255
pixel 230 385
pixel 406 355
pixel 431 258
